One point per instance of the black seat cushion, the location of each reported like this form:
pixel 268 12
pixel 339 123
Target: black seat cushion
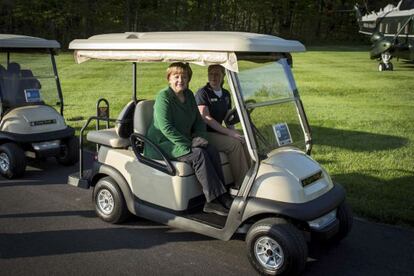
pixel 124 125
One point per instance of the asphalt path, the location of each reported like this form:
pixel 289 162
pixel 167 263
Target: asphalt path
pixel 49 228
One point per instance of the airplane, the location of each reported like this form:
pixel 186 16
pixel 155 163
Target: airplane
pixel 391 30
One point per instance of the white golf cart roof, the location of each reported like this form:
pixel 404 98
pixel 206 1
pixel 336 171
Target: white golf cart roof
pixel 10 41
pixel 202 48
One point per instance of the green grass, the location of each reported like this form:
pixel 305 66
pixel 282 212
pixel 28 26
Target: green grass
pixel 362 120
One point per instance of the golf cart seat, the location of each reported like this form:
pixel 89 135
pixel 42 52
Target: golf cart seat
pixel 107 137
pixel 142 120
pixel 15 81
pixel 11 84
pixel 118 136
pixel 29 81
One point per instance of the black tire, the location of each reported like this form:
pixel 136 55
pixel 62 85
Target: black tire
pixel 109 201
pixel 345 217
pixel 382 67
pixel 390 67
pixel 290 243
pixel 12 160
pixel 69 154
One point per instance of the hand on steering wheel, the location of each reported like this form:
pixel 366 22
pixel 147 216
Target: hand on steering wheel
pixel 232 117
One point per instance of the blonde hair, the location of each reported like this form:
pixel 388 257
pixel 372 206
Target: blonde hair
pixel 179 67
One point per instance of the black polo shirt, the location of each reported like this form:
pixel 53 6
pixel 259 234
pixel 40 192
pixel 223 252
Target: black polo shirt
pixel 218 106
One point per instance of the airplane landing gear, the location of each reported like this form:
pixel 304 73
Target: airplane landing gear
pixel 385 64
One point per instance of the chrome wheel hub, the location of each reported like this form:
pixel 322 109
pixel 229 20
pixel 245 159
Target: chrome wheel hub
pixel 269 253
pixel 4 162
pixel 105 201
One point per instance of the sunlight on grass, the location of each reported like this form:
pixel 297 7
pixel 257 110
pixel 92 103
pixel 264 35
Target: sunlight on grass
pixel 362 120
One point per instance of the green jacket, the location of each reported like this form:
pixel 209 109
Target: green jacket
pixel 174 124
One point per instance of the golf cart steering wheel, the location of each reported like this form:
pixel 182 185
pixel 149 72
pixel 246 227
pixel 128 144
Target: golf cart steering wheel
pixel 232 117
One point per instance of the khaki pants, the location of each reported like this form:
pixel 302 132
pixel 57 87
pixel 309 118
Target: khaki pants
pixel 235 151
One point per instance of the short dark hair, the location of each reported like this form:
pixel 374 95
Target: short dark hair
pixel 216 66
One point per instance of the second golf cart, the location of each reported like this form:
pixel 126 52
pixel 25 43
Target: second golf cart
pixel 286 197
pixel 30 95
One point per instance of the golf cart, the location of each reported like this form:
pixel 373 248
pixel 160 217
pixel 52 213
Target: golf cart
pixel 29 92
pixel 286 197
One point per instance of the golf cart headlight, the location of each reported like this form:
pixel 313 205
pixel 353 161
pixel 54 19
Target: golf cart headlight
pixel 323 221
pixel 46 145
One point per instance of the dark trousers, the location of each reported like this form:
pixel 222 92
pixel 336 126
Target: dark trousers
pixel 207 167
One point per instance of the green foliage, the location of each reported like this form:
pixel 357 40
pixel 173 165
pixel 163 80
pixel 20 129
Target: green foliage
pixel 313 21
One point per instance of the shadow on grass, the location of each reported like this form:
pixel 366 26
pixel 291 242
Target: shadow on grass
pixel 368 180
pixel 356 140
pixel 381 200
pixel 406 65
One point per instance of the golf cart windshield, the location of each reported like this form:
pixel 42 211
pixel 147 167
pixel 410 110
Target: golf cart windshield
pixel 270 94
pixel 27 78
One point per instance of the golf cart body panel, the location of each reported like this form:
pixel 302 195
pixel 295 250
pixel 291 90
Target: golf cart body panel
pixel 32 119
pixel 172 192
pixel 305 211
pixel 62 134
pixel 283 180
pixel 281 177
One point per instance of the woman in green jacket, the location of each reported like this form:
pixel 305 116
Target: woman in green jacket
pixel 180 132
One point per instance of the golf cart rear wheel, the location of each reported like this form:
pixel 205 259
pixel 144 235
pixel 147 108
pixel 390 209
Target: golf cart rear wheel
pixel 12 160
pixel 276 247
pixel 69 154
pixel 109 201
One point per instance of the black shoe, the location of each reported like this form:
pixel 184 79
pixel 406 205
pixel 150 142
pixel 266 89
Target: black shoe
pixel 226 200
pixel 215 207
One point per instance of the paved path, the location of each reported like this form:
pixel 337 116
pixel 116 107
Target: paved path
pixel 48 227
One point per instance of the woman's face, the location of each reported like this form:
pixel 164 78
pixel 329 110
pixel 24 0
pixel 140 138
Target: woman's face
pixel 178 81
pixel 215 78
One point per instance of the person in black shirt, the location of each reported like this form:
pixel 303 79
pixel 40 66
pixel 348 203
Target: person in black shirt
pixel 213 103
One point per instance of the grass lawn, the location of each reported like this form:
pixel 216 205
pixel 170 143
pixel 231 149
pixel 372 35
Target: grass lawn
pixel 362 120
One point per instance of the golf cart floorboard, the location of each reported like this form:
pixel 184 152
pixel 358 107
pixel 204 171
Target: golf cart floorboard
pixel 213 220
pixel 195 213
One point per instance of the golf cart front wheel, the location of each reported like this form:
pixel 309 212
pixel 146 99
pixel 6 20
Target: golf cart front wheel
pixel 345 217
pixel 109 201
pixel 69 154
pixel 12 160
pixel 276 247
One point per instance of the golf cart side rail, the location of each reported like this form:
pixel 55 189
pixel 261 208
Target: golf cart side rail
pixel 57 80
pixel 90 119
pixel 168 168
